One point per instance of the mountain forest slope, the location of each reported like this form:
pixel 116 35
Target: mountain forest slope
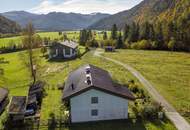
pixel 8 26
pixel 147 10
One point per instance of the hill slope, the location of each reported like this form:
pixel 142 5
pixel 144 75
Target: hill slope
pixel 147 10
pixel 55 21
pixel 8 26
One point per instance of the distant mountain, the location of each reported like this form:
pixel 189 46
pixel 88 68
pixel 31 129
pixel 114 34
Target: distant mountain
pixel 147 10
pixel 8 26
pixel 55 21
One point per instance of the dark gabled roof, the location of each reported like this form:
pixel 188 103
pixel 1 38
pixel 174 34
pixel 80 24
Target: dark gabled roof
pixel 18 105
pixel 32 99
pixel 100 79
pixel 70 44
pixel 36 88
pixel 3 93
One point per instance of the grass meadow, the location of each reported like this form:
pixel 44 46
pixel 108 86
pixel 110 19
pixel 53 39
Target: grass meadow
pixel 169 72
pixel 52 35
pixel 17 78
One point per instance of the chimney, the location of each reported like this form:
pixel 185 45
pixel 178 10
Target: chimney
pixel 89 82
pixel 72 86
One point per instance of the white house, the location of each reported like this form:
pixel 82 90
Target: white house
pixel 63 50
pixel 92 96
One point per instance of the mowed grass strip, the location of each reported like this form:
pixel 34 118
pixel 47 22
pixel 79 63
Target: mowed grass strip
pixel 169 72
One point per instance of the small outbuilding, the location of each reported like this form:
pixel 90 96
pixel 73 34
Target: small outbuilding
pixel 91 95
pixel 32 106
pixel 17 108
pixel 3 98
pixel 36 90
pixel 109 49
pixel 63 50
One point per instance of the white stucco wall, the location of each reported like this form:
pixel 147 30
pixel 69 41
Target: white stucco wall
pixel 109 107
pixel 71 54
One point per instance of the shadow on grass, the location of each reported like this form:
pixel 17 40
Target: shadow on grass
pixel 109 125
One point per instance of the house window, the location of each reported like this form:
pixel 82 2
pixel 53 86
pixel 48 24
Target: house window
pixel 67 51
pixel 94 100
pixel 94 112
pixel 73 51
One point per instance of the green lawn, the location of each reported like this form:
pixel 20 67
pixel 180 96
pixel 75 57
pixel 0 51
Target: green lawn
pixel 53 35
pixel 16 79
pixel 169 72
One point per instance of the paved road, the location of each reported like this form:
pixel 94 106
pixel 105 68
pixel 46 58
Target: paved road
pixel 172 114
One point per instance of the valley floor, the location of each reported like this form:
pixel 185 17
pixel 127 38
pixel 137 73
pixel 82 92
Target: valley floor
pixel 16 80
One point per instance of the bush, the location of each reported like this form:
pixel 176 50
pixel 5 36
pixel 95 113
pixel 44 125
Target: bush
pixel 127 44
pixel 92 43
pixel 109 43
pixel 144 44
pixel 172 44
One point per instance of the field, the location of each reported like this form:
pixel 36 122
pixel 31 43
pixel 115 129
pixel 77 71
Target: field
pixel 52 35
pixel 16 79
pixel 169 72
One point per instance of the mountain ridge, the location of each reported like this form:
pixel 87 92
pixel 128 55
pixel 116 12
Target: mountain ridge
pixel 147 10
pixel 8 26
pixel 55 21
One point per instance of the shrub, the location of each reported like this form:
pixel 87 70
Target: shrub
pixel 127 44
pixel 172 44
pixel 109 42
pixel 144 44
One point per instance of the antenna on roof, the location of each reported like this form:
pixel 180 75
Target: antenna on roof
pixel 72 86
pixel 89 81
pixel 88 70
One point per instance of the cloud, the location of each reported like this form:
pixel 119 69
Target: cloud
pixel 84 6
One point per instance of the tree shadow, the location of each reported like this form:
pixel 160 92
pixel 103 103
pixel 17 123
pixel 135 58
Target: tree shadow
pixel 109 125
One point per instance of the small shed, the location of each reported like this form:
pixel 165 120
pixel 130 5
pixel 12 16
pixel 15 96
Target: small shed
pixel 32 106
pixel 37 90
pixel 17 108
pixel 109 49
pixel 63 50
pixel 3 98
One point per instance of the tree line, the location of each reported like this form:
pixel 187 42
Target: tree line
pixel 173 35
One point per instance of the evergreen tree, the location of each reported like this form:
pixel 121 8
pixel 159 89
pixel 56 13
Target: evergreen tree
pixel 119 41
pixel 114 32
pixel 145 31
pixel 151 32
pixel 105 36
pixel 159 36
pixel 126 32
pixel 83 37
pixel 133 32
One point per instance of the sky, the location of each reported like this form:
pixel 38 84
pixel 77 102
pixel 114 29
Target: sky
pixel 76 6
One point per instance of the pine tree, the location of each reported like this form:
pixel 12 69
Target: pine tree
pixel 105 36
pixel 114 32
pixel 159 36
pixel 119 41
pixel 126 32
pixel 133 32
pixel 145 31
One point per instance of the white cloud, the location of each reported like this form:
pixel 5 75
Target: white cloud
pixel 84 6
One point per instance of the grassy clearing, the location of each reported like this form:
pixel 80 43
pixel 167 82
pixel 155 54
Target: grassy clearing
pixel 52 35
pixel 169 72
pixel 17 75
